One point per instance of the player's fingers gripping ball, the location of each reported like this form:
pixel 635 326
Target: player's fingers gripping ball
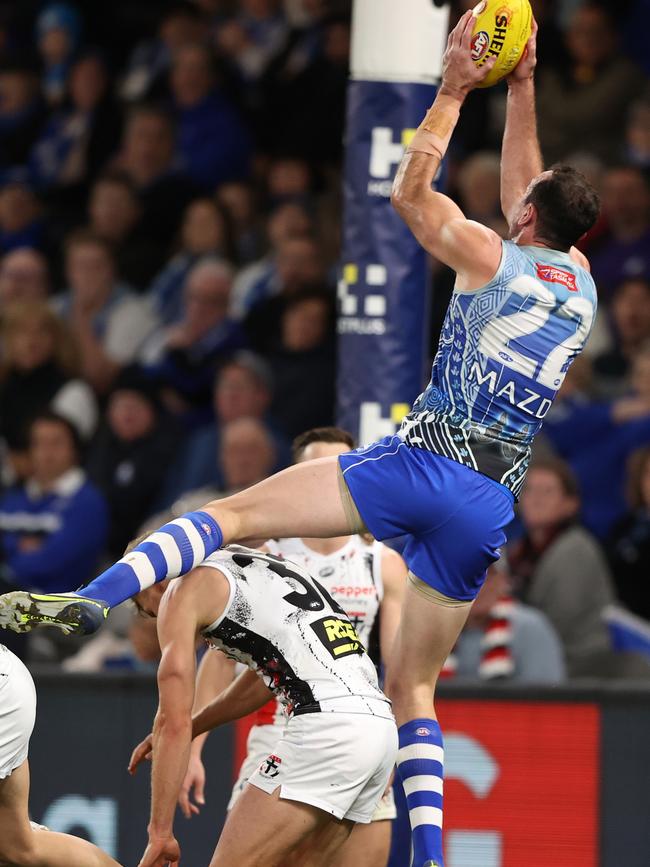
pixel 501 30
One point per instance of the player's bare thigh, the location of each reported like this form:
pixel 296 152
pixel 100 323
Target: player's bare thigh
pixel 22 846
pixel 367 846
pixel 263 829
pixel 303 500
pixel 427 633
pixel 15 830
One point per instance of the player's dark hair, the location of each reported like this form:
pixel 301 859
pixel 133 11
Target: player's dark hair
pixel 320 435
pixel 567 207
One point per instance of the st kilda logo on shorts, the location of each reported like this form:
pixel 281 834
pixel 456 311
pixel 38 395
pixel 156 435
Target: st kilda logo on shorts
pixel 338 636
pixel 271 767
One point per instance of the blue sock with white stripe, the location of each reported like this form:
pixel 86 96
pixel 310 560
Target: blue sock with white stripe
pixel 420 767
pixel 171 551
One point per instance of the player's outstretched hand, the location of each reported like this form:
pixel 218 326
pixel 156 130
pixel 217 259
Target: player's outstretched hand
pixel 160 852
pixel 144 750
pixel 525 69
pixel 459 72
pixel 194 780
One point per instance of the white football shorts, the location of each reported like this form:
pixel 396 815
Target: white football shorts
pixel 262 742
pixel 338 762
pixel 17 711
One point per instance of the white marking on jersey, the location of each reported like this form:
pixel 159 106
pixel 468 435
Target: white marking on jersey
pixel 281 624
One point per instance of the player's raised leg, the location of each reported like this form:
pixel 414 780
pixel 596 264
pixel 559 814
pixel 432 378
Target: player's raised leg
pixel 304 500
pixel 22 845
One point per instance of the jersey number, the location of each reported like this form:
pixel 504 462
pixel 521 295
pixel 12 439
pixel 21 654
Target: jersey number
pixel 314 597
pixel 497 334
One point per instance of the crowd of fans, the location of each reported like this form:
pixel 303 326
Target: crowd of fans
pixel 169 234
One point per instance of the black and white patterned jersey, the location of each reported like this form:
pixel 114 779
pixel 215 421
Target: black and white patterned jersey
pixel 351 575
pixel 282 623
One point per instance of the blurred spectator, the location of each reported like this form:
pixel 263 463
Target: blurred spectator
pixel 298 264
pixel 53 527
pixel 205 232
pixel 504 639
pixel 39 370
pixel 243 389
pixel 623 252
pixel 151 58
pixel 629 545
pixel 238 201
pixel 127 455
pixel 479 184
pixel 21 221
pixel 289 180
pixel 560 569
pixel 58 30
pixel 603 435
pixel 246 456
pixel 114 213
pixel 261 280
pixel 81 136
pixel 304 363
pixel 637 135
pixel 582 104
pixel 147 157
pixel 110 323
pixel 251 38
pixel 21 113
pixel 183 357
pixel 630 316
pixel 316 60
pixel 211 139
pixel 23 277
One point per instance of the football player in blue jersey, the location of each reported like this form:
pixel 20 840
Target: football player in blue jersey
pixel 520 312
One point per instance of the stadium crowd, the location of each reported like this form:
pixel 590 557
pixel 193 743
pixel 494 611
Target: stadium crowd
pixel 169 226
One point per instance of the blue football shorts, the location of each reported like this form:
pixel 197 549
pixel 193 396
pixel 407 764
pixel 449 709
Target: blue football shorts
pixel 453 517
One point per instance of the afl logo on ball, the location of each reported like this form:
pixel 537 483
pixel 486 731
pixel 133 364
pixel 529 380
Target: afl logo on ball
pixel 422 732
pixel 480 44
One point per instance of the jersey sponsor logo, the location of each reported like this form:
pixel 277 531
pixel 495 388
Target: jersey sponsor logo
pixel 271 767
pixel 351 590
pixel 555 275
pixel 517 395
pixel 338 636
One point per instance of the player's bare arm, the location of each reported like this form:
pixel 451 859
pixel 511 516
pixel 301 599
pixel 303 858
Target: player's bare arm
pixel 521 157
pixel 246 694
pixel 472 250
pixel 393 575
pixel 215 673
pixel 179 622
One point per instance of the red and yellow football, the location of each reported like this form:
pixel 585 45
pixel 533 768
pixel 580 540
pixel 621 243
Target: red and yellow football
pixel 501 30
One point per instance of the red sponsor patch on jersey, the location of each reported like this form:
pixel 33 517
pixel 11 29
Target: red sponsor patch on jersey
pixel 556 275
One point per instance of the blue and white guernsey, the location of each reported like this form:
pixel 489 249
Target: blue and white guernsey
pixel 503 354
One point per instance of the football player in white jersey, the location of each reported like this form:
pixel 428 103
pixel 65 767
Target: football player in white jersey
pixel 331 763
pixel 23 843
pixel 367 579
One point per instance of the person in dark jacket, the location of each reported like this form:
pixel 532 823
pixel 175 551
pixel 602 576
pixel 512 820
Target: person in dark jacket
pixel 129 455
pixel 53 527
pixel 629 545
